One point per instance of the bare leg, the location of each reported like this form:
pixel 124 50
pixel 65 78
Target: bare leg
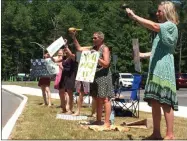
pixel 79 103
pixel 169 117
pixel 44 94
pixel 107 105
pixel 93 106
pixel 70 93
pixel 99 107
pixel 156 114
pixel 48 95
pixel 67 101
pixel 62 98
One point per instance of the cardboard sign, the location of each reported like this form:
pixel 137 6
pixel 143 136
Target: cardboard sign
pixel 55 46
pixel 87 66
pixel 70 117
pixel 136 52
pixel 43 67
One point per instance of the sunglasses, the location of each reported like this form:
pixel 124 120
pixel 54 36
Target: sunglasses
pixel 159 11
pixel 95 38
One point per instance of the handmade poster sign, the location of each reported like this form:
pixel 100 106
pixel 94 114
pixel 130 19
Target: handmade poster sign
pixel 87 66
pixel 137 63
pixel 70 117
pixel 55 46
pixel 43 67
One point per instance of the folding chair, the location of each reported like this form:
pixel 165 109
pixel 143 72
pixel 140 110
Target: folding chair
pixel 128 106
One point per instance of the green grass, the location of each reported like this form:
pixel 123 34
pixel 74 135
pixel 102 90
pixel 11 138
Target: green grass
pixel 39 122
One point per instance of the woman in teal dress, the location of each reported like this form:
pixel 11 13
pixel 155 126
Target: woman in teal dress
pixel 160 90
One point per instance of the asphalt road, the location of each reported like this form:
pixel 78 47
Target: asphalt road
pixel 10 103
pixel 181 94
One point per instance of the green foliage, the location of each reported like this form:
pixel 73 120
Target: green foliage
pixel 45 21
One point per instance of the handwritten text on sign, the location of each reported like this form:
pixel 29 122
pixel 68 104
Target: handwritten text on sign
pixel 87 66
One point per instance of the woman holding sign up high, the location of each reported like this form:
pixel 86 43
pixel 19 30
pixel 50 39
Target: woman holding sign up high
pixel 160 90
pixel 67 81
pixel 101 89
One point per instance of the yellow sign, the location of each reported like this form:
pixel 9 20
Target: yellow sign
pixel 87 66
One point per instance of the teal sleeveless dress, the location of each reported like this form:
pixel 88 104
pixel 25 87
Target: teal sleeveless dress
pixel 161 83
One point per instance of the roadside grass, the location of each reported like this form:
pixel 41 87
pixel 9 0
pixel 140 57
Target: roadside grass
pixel 39 122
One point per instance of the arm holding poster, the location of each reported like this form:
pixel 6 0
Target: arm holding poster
pixel 70 54
pixel 105 61
pixel 145 55
pixel 77 45
pixel 137 55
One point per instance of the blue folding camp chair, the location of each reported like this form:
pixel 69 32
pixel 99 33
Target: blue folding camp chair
pixel 128 106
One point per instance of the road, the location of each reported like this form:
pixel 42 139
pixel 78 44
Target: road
pixel 10 103
pixel 181 94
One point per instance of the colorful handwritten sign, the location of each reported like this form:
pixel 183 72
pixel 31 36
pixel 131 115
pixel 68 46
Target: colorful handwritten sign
pixel 87 66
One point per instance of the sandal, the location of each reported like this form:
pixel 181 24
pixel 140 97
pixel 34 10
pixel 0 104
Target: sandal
pixel 97 123
pixel 152 137
pixel 69 113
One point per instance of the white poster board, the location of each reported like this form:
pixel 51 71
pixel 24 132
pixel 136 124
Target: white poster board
pixel 136 52
pixel 55 46
pixel 87 66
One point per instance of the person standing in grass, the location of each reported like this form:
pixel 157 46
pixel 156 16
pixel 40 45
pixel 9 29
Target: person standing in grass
pixel 44 84
pixel 101 89
pixel 67 81
pixel 160 89
pixel 81 87
pixel 58 78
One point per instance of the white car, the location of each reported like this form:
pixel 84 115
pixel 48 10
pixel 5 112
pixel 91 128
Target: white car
pixel 126 79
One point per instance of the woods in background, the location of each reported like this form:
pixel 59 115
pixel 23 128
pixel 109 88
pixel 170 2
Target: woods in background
pixel 25 21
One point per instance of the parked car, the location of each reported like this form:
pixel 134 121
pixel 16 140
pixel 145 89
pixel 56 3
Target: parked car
pixel 181 80
pixel 126 79
pixel 23 78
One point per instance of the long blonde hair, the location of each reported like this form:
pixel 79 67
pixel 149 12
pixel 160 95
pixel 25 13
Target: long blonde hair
pixel 170 11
